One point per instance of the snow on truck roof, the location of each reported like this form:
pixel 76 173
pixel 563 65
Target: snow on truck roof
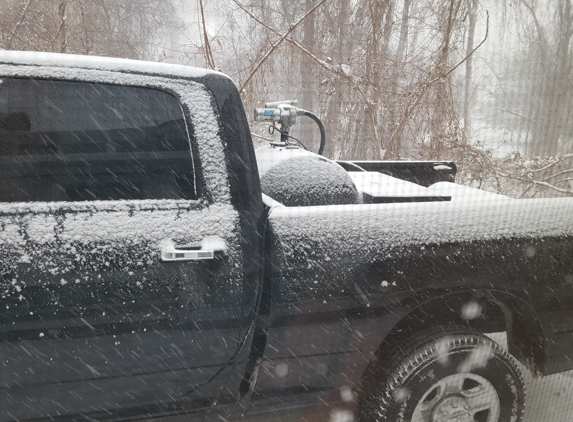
pixel 32 58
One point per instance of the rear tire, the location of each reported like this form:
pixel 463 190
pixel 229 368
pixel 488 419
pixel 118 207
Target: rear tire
pixel 446 374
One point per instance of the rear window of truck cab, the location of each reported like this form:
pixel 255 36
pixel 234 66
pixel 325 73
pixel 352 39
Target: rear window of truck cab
pixel 78 141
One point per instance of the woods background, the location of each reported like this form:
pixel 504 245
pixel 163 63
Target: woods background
pixel 485 83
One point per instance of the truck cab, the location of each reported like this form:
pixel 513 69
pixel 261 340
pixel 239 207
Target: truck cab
pixel 129 253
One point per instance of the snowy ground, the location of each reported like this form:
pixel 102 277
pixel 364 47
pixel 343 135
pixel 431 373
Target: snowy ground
pixel 548 399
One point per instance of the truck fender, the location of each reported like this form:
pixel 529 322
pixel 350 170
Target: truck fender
pixel 485 310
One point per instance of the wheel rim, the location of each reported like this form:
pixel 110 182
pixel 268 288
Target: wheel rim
pixel 459 398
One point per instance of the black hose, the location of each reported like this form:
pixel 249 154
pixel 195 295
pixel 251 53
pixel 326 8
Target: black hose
pixel 321 127
pixel 350 164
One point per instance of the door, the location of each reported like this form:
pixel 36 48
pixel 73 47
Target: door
pixel 120 277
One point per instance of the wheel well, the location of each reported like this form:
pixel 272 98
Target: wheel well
pixel 484 311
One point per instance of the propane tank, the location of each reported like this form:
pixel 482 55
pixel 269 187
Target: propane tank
pixel 296 177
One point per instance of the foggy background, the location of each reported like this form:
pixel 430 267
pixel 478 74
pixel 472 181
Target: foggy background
pixel 484 83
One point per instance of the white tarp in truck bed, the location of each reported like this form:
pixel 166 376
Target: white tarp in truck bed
pixel 460 193
pixel 378 185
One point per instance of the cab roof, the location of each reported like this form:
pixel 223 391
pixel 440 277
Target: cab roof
pixel 32 58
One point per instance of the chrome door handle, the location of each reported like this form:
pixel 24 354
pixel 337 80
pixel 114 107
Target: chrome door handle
pixel 183 255
pixel 209 248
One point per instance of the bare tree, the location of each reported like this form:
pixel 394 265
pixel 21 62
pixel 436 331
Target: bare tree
pixel 98 27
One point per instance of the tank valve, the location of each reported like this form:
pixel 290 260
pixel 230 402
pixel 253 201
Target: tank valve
pixel 285 113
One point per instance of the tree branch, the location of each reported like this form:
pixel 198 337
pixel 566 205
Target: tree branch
pixel 275 45
pixel 561 173
pixel 550 186
pixel 426 87
pixel 63 27
pixel 559 160
pixel 208 52
pixel 474 50
pixel 536 22
pixel 320 62
pixel 13 32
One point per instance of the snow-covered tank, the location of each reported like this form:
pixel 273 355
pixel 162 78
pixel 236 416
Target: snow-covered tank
pixel 296 177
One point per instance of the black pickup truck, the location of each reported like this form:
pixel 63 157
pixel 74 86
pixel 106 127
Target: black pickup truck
pixel 150 269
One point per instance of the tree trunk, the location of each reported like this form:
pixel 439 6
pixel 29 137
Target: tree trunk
pixel 472 14
pixel 308 80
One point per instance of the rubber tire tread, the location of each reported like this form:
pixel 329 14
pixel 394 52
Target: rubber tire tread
pixel 395 363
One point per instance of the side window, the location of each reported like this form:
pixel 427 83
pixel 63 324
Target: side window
pixel 75 141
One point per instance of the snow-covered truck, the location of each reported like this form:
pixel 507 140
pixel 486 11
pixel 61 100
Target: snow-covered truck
pixel 151 269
